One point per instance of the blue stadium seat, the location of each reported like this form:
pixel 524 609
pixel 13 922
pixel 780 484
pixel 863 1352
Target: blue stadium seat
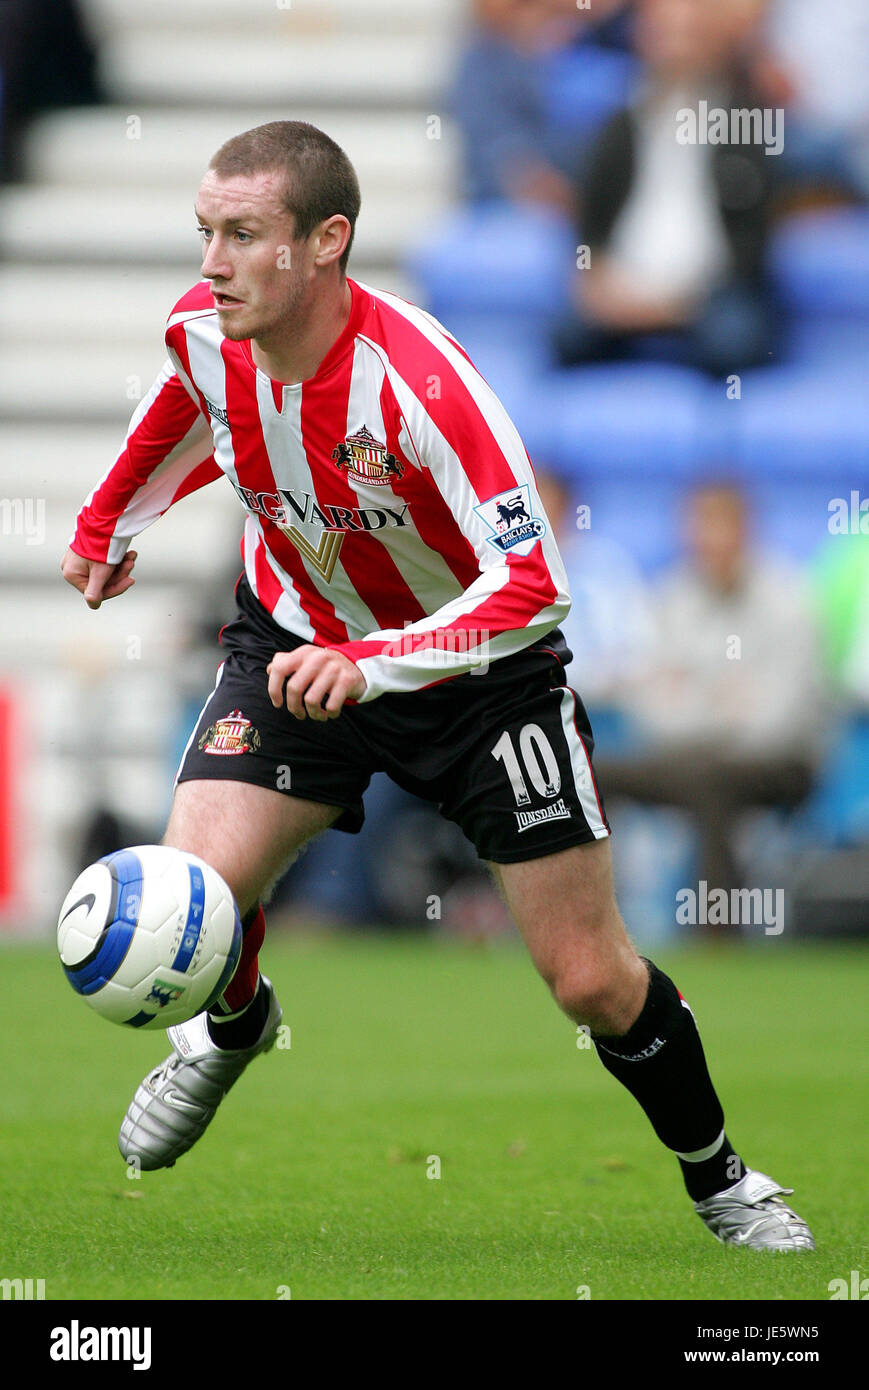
pixel 497 258
pixel 513 355
pixel 837 812
pixel 796 422
pixel 819 263
pixel 827 342
pixel 789 516
pixel 634 419
pixel 586 84
pixel 641 513
pixel 502 338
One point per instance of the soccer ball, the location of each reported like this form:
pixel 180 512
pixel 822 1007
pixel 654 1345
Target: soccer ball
pixel 149 936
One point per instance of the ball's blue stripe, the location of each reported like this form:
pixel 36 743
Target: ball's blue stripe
pixel 126 870
pixel 195 914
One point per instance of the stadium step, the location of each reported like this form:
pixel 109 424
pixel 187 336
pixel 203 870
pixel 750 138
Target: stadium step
pixel 217 70
pixel 151 227
pixel 96 248
pixel 126 308
pixel 230 18
pixel 54 627
pixel 111 146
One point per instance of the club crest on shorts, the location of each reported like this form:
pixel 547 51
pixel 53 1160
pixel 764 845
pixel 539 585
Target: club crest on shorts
pixel 366 459
pixel 230 736
pixel 511 520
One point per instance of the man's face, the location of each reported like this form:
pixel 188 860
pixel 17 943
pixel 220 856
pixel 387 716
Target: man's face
pixel 261 275
pixel 717 534
pixel 685 39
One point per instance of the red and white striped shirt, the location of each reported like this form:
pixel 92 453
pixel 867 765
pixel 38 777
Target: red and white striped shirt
pixel 392 512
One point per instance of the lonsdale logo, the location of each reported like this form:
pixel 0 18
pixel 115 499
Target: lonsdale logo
pixel 288 505
pixel 217 413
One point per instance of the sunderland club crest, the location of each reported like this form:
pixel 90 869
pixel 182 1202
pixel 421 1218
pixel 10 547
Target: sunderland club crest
pixel 366 460
pixel 230 736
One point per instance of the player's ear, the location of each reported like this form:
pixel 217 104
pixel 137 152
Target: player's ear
pixel 332 237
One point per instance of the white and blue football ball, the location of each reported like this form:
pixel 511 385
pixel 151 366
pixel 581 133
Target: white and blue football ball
pixel 149 936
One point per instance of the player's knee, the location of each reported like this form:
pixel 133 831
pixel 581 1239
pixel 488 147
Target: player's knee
pixel 589 996
pixel 245 890
pixel 605 993
pixel 193 840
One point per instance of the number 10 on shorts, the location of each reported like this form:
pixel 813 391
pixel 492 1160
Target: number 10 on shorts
pixel 541 765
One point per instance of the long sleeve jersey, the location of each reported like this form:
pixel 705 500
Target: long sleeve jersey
pixel 392 512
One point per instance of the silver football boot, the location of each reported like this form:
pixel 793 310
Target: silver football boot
pixel 752 1214
pixel 178 1099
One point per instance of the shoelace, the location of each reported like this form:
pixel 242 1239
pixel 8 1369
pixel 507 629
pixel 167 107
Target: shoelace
pixel 774 1206
pixel 163 1072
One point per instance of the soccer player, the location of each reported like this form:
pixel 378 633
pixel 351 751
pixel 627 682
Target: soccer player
pixel 398 610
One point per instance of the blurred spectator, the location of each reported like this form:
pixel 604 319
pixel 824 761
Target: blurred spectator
pixel 609 628
pixel 730 708
pixel 47 59
pixel 501 97
pixel 842 580
pixel 819 70
pixel 676 223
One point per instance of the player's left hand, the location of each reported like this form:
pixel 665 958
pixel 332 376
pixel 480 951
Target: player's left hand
pixel 318 681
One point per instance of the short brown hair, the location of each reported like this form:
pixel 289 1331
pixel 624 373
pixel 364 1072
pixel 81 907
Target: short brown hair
pixel 321 181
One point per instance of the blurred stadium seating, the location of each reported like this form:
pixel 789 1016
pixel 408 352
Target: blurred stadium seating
pixel 98 242
pixel 634 433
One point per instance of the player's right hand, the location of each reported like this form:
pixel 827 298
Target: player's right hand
pixel 96 580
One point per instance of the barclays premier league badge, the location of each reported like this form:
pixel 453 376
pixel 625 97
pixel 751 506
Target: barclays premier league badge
pixel 513 525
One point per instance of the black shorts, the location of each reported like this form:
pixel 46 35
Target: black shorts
pixel 505 753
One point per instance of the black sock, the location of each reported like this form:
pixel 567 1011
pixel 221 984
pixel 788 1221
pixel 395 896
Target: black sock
pixel 706 1176
pixel 660 1061
pixel 244 1028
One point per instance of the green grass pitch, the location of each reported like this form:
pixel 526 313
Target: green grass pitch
pixel 413 1057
